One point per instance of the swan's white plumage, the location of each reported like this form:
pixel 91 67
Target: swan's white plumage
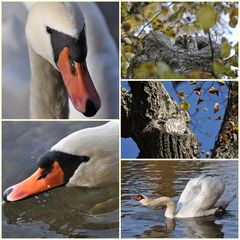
pixel 201 197
pixel 100 144
pixel 102 61
pixel 66 18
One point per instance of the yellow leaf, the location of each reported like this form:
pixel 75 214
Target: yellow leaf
pixel 164 10
pixel 185 105
pixel 181 95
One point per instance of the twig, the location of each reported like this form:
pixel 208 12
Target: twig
pixel 212 51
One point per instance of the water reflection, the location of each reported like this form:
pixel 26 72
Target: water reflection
pixel 193 228
pixel 61 212
pixel 169 178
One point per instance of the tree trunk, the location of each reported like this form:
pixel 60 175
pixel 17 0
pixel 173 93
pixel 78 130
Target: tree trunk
pixel 156 123
pixel 226 146
pixel 188 54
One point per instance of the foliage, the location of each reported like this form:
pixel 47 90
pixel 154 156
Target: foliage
pixel 210 19
pixel 209 100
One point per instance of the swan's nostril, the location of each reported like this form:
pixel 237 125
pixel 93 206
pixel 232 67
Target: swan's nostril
pixel 6 193
pixel 90 109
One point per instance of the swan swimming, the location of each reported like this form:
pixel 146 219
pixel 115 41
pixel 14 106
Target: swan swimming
pixel 67 60
pixel 201 197
pixel 86 158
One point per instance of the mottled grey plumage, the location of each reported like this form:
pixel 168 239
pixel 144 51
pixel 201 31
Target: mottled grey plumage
pixel 186 42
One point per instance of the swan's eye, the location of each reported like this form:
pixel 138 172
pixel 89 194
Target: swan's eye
pixel 49 30
pixel 45 173
pixel 72 65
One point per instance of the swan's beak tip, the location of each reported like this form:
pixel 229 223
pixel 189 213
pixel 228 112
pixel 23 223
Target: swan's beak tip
pixel 6 194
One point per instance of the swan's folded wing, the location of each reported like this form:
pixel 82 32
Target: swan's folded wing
pixel 204 202
pixel 191 190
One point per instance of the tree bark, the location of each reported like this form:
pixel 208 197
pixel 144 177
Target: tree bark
pixel 226 146
pixel 192 54
pixel 156 123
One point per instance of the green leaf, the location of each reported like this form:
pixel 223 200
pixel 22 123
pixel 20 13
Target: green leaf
pixel 206 17
pixel 218 67
pixel 225 50
pixel 175 7
pixel 185 105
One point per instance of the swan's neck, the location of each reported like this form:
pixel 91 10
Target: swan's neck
pixel 48 95
pixel 170 211
pixel 164 201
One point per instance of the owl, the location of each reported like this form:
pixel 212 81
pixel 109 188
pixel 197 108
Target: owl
pixel 186 42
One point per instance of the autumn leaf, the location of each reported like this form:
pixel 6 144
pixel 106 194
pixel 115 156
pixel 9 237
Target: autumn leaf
pixel 223 139
pixel 234 129
pixel 193 82
pixel 197 90
pixel 181 95
pixel 233 22
pixel 216 107
pixel 185 105
pixel 218 118
pixel 221 82
pixel 199 100
pixel 126 26
pixel 213 91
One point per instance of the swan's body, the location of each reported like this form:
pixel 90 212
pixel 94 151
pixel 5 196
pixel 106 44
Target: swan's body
pixel 201 197
pixel 86 158
pixel 49 98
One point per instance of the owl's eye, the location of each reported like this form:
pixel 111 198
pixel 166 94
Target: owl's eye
pixel 49 30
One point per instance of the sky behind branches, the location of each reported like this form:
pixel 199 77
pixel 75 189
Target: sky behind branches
pixel 205 129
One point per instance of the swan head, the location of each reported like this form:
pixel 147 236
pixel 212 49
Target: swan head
pixel 138 197
pixel 87 158
pixel 56 32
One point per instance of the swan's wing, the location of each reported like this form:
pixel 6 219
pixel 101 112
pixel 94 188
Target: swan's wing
pixel 102 61
pixel 211 189
pixel 15 65
pixel 191 190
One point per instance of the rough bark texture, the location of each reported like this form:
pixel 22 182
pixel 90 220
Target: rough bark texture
pixel 226 146
pixel 183 57
pixel 150 117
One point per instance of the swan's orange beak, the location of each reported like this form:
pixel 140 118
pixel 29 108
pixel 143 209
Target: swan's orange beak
pixel 137 198
pixel 39 182
pixel 79 84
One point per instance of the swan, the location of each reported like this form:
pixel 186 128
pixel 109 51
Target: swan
pixel 201 197
pixel 67 60
pixel 86 158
